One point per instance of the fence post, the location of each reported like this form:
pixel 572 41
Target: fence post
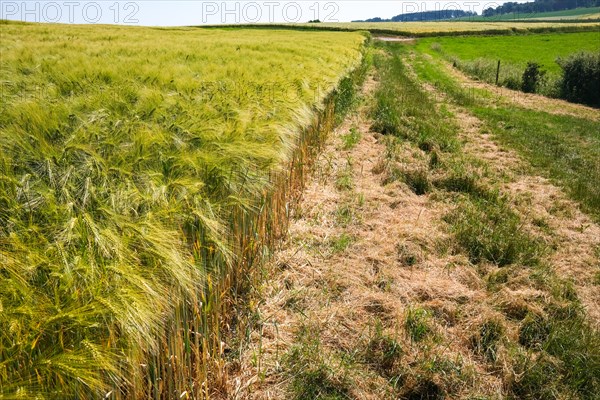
pixel 497 72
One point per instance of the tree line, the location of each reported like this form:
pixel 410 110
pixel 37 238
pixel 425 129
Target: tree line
pixel 538 6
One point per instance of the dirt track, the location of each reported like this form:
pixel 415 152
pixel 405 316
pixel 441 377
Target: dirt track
pixel 363 255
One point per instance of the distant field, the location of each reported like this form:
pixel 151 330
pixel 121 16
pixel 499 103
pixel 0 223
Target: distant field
pixel 136 191
pixel 577 13
pixel 517 50
pixel 432 28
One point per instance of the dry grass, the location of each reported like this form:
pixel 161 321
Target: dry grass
pixel 379 279
pixel 543 206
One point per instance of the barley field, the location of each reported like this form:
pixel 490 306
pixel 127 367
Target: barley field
pixel 144 174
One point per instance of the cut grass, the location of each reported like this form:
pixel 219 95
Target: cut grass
pixel 483 224
pixel 383 353
pixel 486 339
pixel 490 231
pixel 417 324
pixel 340 243
pixel 563 148
pixel 556 353
pixel 345 180
pixel 351 139
pixel 404 110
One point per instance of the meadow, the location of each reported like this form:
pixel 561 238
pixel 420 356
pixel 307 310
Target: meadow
pixel 145 175
pixel 479 57
pixel 515 50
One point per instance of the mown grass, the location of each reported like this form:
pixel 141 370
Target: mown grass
pixel 351 139
pixel 144 174
pixel 561 356
pixel 491 231
pixel 417 324
pixel 565 148
pixel 561 147
pixel 315 374
pixel 403 110
pixel 556 353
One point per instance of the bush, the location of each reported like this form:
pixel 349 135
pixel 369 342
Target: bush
pixel 512 82
pixel 581 78
pixel 532 77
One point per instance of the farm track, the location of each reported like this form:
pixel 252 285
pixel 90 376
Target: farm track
pixel 344 295
pixel 338 292
pixel 573 234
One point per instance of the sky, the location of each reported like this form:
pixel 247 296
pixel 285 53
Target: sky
pixel 196 12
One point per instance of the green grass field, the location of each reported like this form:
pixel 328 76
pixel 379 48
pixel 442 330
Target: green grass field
pixel 143 174
pixel 516 50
